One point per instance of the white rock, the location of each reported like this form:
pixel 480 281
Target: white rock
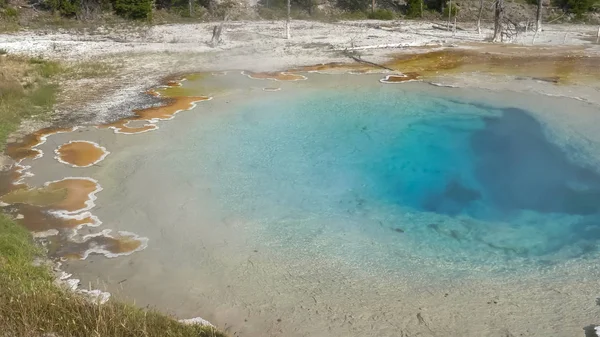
pixel 96 296
pixel 196 320
pixel 72 283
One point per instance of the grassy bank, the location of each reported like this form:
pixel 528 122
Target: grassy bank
pixel 26 91
pixel 31 304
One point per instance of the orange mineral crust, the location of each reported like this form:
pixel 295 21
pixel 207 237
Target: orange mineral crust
pixel 103 243
pixel 69 195
pixel 153 92
pixel 39 219
pixel 80 153
pixel 166 112
pixel 121 126
pixel 153 114
pixel 25 148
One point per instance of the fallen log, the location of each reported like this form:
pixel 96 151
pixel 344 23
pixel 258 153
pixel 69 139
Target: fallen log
pixel 360 60
pixel 440 27
pixel 379 46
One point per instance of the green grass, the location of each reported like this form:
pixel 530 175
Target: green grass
pixel 10 13
pixel 382 14
pixel 9 18
pixel 49 69
pixel 31 304
pixel 26 91
pixel 44 96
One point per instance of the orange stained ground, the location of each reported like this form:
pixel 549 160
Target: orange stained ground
pixel 338 66
pixel 563 68
pixel 80 153
pixel 70 194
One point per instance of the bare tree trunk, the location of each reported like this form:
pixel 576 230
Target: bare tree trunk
pixel 190 5
pixel 449 13
pixel 373 7
pixel 217 30
pixel 287 22
pixel 538 23
pixel 422 9
pixel 479 17
pixel 498 21
pixel 87 10
pixel 526 30
pixel 454 29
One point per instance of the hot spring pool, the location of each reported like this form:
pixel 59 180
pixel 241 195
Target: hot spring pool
pixel 340 206
pixel 428 175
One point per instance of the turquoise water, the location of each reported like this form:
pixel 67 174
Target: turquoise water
pixel 385 177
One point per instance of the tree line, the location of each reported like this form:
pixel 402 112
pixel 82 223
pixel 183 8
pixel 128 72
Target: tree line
pixel 383 9
pixel 416 8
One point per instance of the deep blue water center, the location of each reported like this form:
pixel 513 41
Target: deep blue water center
pixel 446 177
pixel 509 166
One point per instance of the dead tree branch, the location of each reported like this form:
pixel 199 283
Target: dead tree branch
pixel 358 59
